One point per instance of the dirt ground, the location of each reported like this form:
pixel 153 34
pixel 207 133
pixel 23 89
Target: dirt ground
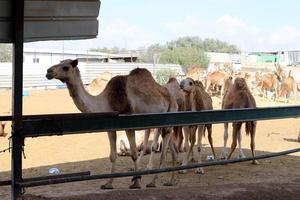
pixel 276 178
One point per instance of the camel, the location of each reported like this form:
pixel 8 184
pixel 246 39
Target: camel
pixel 134 93
pixel 98 84
pixel 239 96
pixel 267 82
pixel 287 87
pixel 175 142
pixel 2 129
pixel 123 146
pixel 215 81
pixel 197 99
pixel 195 72
pixel 271 81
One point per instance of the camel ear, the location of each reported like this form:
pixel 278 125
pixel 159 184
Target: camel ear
pixel 74 63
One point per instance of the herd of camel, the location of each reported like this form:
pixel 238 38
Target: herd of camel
pixel 138 92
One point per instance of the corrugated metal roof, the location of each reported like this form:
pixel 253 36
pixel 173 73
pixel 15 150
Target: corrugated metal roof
pixel 53 20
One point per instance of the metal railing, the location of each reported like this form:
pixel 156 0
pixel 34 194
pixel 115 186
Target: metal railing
pixel 47 125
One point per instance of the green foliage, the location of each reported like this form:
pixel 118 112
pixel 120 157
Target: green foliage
pixel 5 53
pixel 107 50
pixel 162 76
pixel 185 56
pixel 152 53
pixel 213 45
pixel 187 51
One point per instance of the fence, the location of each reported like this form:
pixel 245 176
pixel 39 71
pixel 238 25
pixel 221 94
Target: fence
pixel 46 125
pixel 34 74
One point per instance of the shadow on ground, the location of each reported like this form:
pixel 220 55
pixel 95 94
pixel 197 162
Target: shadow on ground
pixel 274 178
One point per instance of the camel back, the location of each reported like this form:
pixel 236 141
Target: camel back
pixel 141 83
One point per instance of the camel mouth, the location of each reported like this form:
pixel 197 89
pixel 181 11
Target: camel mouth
pixel 49 76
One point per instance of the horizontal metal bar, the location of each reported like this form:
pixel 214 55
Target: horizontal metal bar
pixel 92 122
pixel 43 178
pixel 5 118
pixel 154 171
pixel 60 116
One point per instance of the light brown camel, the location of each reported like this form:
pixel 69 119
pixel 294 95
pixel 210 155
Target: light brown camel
pixel 135 93
pixel 287 87
pixel 239 96
pixel 175 143
pixel 215 81
pixel 197 99
pixel 98 84
pixel 2 129
pixel 270 82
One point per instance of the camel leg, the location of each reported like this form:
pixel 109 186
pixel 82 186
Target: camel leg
pixel 201 129
pixel 239 137
pixel 207 87
pixel 192 138
pixel 186 132
pixel 133 150
pixel 224 153
pixel 154 145
pixel 112 136
pixel 193 129
pixel 253 131
pixel 236 128
pixel 145 144
pixel 180 139
pixel 165 143
pixel 174 161
pixel 210 139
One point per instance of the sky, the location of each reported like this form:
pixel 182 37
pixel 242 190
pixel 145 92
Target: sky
pixel 252 25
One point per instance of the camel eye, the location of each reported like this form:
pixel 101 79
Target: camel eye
pixel 191 83
pixel 65 69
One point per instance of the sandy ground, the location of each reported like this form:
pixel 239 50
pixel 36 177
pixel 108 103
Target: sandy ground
pixel 277 178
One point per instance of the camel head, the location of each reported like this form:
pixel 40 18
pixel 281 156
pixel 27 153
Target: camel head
pixel 240 83
pixel 187 85
pixel 63 71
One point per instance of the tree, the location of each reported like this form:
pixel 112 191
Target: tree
pixel 151 51
pixel 5 53
pixel 162 76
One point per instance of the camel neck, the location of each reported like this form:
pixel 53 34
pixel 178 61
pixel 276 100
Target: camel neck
pixel 83 100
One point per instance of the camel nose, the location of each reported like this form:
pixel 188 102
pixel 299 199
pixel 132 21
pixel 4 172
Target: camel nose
pixel 181 86
pixel 49 74
pixel 49 70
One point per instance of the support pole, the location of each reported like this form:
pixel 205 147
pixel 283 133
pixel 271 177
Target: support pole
pixel 17 107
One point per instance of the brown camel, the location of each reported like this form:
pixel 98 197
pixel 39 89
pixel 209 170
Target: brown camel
pixel 134 93
pixel 2 129
pixel 270 82
pixel 239 96
pixel 175 142
pixel 197 99
pixel 267 82
pixel 215 81
pixel 287 87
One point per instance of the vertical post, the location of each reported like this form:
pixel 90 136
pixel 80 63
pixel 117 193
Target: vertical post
pixel 17 107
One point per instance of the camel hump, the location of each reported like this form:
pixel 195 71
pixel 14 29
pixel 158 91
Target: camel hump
pixel 117 96
pixel 172 79
pixel 140 72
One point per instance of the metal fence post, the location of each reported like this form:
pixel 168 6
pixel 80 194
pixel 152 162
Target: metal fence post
pixel 17 107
